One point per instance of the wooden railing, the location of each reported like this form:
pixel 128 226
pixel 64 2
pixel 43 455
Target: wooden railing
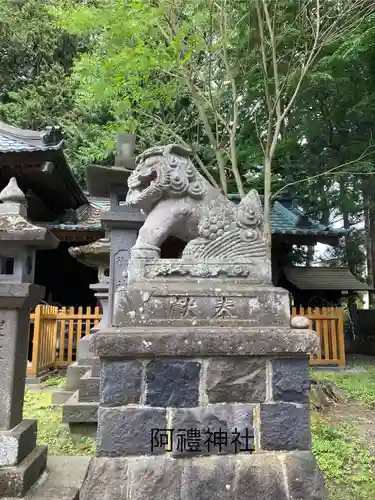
pixel 328 322
pixel 56 333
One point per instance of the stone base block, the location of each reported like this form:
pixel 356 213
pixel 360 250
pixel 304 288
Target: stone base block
pixel 89 387
pixel 61 396
pixel 266 476
pixel 212 429
pixel 204 302
pixel 75 411
pixel 83 348
pixel 193 341
pixel 16 481
pixel 95 367
pixel 73 375
pixel 127 431
pixel 17 443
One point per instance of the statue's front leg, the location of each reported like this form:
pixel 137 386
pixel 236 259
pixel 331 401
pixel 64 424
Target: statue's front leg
pixel 157 227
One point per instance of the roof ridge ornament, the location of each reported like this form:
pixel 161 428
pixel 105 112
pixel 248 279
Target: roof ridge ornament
pixel 125 149
pixel 13 194
pixel 51 136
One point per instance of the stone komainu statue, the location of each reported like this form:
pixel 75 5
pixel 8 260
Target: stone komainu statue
pixel 179 202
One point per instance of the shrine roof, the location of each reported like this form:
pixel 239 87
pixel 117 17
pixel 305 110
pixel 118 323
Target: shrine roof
pixel 324 278
pixel 17 140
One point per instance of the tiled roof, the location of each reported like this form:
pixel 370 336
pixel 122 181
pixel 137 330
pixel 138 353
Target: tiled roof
pixel 87 218
pixel 16 140
pixel 291 221
pixel 283 220
pixel 324 278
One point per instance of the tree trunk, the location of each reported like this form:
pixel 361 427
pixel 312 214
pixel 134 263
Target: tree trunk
pixel 366 216
pixel 346 220
pixel 310 255
pixel 371 222
pixel 267 202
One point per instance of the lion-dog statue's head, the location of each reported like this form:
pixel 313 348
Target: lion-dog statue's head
pixel 163 172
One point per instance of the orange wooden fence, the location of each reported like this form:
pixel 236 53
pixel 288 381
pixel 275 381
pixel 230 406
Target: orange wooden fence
pixel 328 322
pixel 56 333
pixel 44 321
pixel 73 324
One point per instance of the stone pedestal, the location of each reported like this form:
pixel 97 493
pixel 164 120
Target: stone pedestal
pixel 204 384
pixel 204 392
pixel 21 461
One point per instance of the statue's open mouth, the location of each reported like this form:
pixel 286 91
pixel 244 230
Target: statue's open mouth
pixel 143 187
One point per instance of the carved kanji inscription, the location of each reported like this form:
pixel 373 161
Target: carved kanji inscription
pixel 224 308
pixel 2 335
pixel 183 307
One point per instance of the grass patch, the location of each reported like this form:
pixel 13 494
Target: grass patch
pixel 55 380
pixel 348 467
pixel 359 386
pixel 51 431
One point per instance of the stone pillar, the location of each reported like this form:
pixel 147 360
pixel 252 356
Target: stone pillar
pixel 21 461
pixel 123 224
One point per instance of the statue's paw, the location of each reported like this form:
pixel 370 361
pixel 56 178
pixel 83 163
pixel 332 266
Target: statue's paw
pixel 145 251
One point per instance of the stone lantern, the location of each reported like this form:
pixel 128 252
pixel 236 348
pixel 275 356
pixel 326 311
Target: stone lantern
pixel 95 255
pixel 21 461
pixel 121 222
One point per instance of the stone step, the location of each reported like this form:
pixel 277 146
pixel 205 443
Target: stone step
pixel 74 374
pixel 75 411
pixel 60 396
pixel 62 480
pixel 89 388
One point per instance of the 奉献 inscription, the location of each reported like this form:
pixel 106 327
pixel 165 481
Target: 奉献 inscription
pixel 224 308
pixel 183 307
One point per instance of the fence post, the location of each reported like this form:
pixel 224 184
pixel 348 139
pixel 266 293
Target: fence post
pixel 33 371
pixel 340 333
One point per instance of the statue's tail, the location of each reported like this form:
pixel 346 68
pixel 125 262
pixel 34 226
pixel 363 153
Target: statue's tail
pixel 250 209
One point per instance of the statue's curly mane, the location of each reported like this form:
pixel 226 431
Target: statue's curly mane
pixel 176 174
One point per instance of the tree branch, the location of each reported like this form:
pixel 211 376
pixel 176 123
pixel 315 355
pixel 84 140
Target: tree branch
pixel 183 143
pixel 328 172
pixel 235 113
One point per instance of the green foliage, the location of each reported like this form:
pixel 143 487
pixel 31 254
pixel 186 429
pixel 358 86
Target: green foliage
pixel 36 89
pixel 50 429
pixel 347 465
